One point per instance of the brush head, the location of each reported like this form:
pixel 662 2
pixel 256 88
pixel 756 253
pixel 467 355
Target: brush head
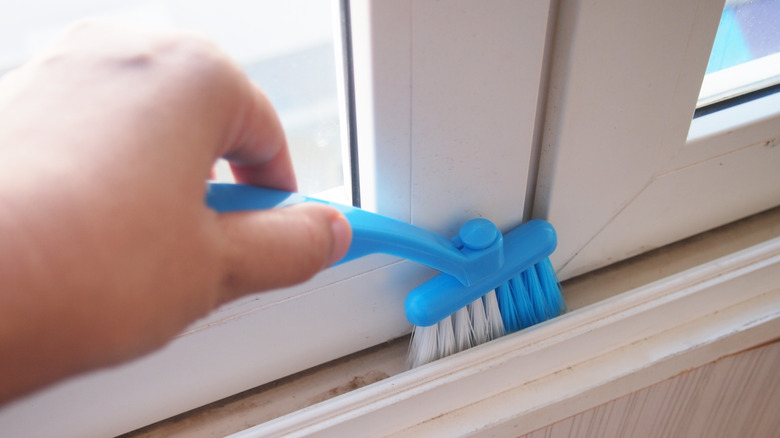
pixel 527 299
pixel 443 295
pixel 449 317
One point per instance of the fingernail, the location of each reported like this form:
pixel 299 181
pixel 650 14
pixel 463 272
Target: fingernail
pixel 342 237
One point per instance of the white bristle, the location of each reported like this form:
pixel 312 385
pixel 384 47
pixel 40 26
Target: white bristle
pixel 462 329
pixel 424 345
pixel 479 322
pixel 493 314
pixel 446 337
pixel 475 324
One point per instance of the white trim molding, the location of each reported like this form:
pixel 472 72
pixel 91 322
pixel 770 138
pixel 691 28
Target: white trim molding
pixel 554 370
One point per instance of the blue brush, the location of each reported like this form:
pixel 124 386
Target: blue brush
pixel 491 284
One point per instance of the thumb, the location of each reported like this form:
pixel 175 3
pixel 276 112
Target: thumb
pixel 280 247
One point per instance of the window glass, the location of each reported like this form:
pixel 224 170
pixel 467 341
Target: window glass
pixel 746 52
pixel 285 46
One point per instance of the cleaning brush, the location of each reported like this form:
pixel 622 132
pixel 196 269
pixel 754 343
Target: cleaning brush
pixel 490 284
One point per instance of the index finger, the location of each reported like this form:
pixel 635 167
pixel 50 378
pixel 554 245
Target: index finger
pixel 258 153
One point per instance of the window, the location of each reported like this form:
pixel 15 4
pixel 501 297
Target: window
pixel 621 169
pixel 746 53
pixel 430 152
pixel 286 47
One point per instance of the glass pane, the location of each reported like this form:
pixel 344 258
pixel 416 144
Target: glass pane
pixel 286 47
pixel 746 53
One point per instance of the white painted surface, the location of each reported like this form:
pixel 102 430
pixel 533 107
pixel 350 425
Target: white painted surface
pixel 476 70
pixel 619 173
pixel 382 39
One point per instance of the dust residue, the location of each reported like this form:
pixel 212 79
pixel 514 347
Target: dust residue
pixel 355 383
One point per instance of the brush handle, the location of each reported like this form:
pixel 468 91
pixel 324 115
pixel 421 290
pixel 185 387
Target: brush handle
pixel 476 252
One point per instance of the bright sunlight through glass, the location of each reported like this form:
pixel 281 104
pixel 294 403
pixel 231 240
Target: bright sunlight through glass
pixel 746 53
pixel 286 47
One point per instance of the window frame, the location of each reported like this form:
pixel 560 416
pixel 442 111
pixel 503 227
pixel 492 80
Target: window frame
pixel 226 353
pixel 653 177
pixel 551 371
pixel 409 116
pixel 613 347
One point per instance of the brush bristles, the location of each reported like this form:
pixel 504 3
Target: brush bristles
pixel 424 346
pixel 493 314
pixel 479 322
pixel 462 329
pixel 531 297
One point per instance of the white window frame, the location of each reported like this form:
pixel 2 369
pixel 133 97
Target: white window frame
pixel 600 104
pixel 623 343
pixel 623 170
pixel 431 152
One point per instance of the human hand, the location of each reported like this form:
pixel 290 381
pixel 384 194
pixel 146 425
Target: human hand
pixel 108 250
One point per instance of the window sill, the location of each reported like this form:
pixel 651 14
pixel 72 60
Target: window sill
pixel 630 325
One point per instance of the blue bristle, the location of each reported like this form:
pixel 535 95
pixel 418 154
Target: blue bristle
pixel 536 295
pixel 506 304
pixel 524 308
pixel 552 287
pixel 530 298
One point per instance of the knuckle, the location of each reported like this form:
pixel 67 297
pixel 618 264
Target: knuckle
pixel 313 257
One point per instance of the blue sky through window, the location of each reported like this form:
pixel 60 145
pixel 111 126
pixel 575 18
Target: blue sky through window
pixel 749 29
